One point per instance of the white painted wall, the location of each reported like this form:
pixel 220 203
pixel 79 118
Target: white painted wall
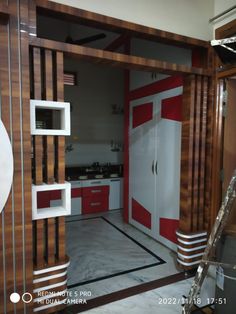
pixel 93 125
pixel 152 50
pixel 185 17
pixel 219 7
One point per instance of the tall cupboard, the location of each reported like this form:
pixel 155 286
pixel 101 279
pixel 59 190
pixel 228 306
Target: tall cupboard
pixel 154 164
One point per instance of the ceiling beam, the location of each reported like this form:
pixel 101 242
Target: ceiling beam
pixel 118 59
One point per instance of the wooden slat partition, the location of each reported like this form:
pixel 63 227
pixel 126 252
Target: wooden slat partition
pixel 195 188
pixel 49 155
pixel 195 108
pixel 16 269
pixel 194 132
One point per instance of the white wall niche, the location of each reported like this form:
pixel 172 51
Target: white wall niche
pixel 64 110
pixel 55 211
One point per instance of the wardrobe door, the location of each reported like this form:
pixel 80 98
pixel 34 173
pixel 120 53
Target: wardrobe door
pixel 168 166
pixel 142 139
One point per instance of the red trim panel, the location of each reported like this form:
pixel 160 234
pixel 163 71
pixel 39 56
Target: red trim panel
pixel 142 114
pixel 76 192
pixel 168 228
pixel 94 204
pixel 141 215
pixel 171 108
pixel 43 199
pixel 95 190
pixel 156 87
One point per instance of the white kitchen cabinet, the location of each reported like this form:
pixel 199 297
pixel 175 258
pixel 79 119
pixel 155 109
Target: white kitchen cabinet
pixel 116 193
pixel 76 199
pixel 154 167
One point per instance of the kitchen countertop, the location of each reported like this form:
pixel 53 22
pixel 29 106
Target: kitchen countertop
pixel 96 172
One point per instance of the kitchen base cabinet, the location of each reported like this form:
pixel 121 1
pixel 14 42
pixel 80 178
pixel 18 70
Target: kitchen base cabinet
pixel 94 204
pixel 116 194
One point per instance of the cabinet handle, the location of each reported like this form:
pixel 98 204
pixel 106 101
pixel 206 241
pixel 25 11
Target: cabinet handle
pixel 96 191
pixel 115 180
pixel 153 167
pixel 156 167
pixel 95 204
pixel 96 182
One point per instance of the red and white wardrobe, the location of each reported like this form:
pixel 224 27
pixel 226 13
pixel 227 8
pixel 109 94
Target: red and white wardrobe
pixel 154 163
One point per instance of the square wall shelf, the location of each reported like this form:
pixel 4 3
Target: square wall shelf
pixel 48 212
pixel 49 117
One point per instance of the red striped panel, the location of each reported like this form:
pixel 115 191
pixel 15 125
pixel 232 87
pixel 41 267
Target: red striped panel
pixel 156 87
pixel 76 192
pixel 171 108
pixel 168 228
pixel 142 114
pixel 140 214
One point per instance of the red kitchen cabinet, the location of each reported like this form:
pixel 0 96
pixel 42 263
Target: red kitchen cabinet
pixel 95 199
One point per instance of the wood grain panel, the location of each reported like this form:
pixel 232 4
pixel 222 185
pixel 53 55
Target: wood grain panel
pixel 118 59
pixel 49 153
pixel 48 70
pixel 6 236
pixel 38 159
pixel 196 157
pixel 195 186
pixel 203 148
pixel 187 154
pixel 16 229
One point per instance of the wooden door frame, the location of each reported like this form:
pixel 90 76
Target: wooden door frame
pixel 222 72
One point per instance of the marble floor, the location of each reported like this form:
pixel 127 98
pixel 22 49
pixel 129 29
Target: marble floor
pixel 88 270
pixel 98 250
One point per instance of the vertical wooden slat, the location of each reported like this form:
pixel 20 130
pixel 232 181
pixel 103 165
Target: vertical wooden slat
pixel 49 159
pixel 60 155
pixel 6 254
pixel 15 234
pixel 38 140
pixel 196 156
pixel 38 159
pixel 38 226
pixel 202 176
pixel 48 75
pixel 27 180
pixel 49 149
pixel 187 154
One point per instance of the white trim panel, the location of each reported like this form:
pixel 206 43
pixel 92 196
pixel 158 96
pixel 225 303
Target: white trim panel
pixel 190 236
pixel 54 268
pixel 50 277
pixel 192 242
pixel 191 249
pixel 190 256
pixel 188 264
pixel 63 107
pixel 50 286
pixel 49 212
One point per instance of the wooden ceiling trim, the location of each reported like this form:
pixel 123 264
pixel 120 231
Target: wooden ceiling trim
pixel 84 17
pixel 118 59
pixel 4 11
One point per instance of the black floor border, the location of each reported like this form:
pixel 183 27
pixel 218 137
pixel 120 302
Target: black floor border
pixel 135 241
pixel 160 260
pixel 126 293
